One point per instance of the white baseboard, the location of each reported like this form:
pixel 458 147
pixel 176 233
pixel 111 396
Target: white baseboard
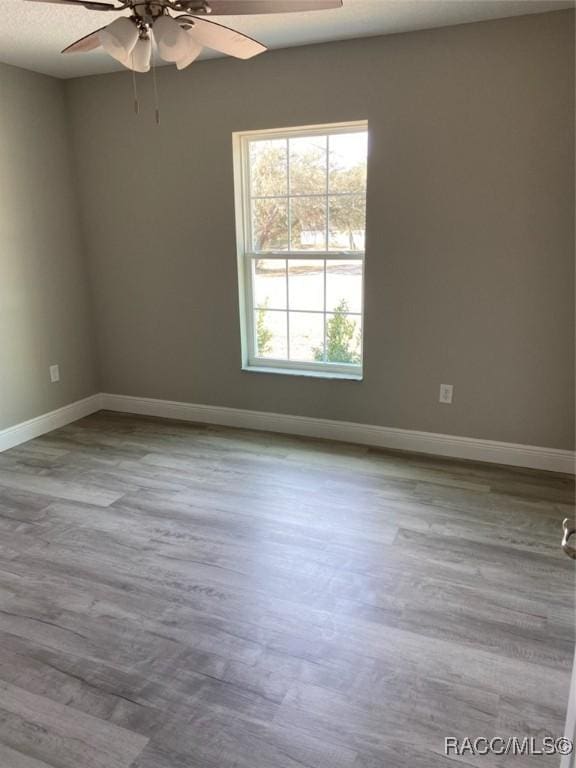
pixel 493 451
pixel 28 430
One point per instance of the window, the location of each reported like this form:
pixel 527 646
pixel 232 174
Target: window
pixel 301 211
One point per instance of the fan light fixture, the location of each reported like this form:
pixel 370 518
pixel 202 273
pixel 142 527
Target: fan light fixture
pixel 178 30
pixel 141 55
pixel 179 38
pixel 119 39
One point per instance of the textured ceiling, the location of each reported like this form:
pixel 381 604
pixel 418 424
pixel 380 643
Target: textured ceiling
pixel 33 34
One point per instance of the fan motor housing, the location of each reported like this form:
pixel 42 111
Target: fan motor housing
pixel 149 11
pixel 152 9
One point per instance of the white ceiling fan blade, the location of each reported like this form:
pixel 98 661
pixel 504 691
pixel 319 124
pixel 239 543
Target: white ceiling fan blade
pixel 225 40
pixel 87 43
pixel 139 59
pixel 194 50
pixel 241 7
pixel 119 38
pixel 171 39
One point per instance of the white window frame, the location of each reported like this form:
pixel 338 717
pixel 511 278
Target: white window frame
pixel 250 362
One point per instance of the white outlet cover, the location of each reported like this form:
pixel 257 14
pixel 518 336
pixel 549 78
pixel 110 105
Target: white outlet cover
pixel 446 393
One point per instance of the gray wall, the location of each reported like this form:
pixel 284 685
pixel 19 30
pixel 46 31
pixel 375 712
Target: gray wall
pixel 470 252
pixel 43 288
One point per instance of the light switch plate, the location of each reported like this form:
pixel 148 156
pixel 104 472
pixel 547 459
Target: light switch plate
pixel 54 373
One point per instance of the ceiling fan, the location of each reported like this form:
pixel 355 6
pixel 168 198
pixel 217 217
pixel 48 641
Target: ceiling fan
pixel 179 38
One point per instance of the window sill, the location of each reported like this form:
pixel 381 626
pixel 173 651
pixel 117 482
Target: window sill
pixel 303 372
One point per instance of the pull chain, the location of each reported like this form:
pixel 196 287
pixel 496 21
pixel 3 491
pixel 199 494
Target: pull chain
pixel 155 85
pixel 135 89
pixel 156 99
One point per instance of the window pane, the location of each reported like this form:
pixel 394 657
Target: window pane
pixel 269 225
pixel 306 283
pixel 343 338
pixel 347 163
pixel 308 165
pixel 268 167
pixel 308 224
pixel 270 330
pixel 344 286
pixel 269 281
pixel 306 336
pixel 347 223
pixel 304 200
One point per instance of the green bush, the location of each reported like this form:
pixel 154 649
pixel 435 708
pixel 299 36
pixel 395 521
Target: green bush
pixel 263 334
pixel 341 346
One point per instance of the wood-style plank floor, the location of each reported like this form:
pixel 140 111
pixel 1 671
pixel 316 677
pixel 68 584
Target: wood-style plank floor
pixel 182 596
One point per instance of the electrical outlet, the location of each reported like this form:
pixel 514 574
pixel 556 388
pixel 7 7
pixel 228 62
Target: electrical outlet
pixel 446 393
pixel 54 373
